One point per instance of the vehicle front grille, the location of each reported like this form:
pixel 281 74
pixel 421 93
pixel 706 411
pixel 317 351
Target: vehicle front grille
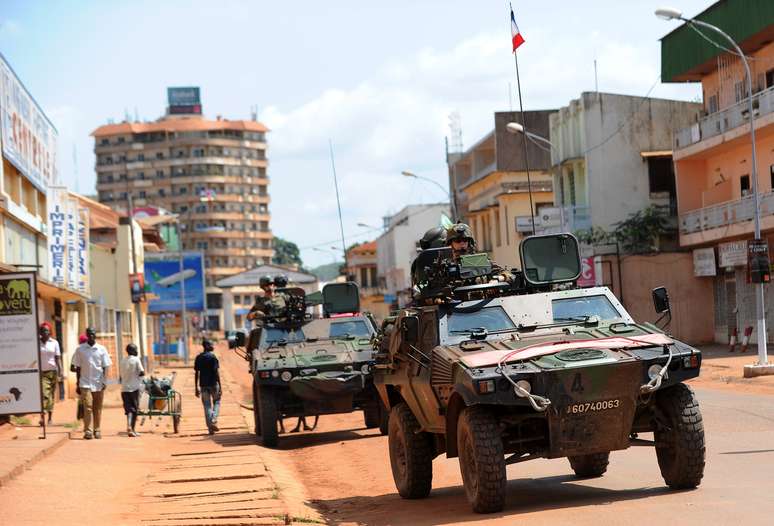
pixel 440 369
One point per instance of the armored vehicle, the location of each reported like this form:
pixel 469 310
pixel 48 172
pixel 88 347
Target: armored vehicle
pixel 304 367
pixel 499 367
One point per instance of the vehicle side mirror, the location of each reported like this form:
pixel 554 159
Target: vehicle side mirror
pixel 661 300
pixel 239 339
pixel 410 328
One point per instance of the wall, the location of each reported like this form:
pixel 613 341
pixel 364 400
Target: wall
pixel 692 299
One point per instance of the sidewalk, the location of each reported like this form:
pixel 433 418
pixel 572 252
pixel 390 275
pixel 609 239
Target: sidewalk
pixel 724 369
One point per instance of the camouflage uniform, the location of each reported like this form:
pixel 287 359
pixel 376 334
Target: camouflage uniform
pixel 273 307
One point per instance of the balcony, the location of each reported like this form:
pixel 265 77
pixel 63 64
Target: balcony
pixel 722 121
pixel 725 214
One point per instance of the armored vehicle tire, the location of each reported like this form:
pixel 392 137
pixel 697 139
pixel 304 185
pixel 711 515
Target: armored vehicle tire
pixel 589 466
pixel 267 405
pixel 411 454
pixel 482 460
pixel 256 410
pixel 384 420
pixel 372 414
pixel 679 437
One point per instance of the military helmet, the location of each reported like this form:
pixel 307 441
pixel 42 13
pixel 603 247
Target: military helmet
pixel 460 232
pixel 281 280
pixel 433 238
pixel 265 280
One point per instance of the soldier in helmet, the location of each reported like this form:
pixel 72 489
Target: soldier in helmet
pixel 272 304
pixel 433 238
pixel 460 238
pixel 280 281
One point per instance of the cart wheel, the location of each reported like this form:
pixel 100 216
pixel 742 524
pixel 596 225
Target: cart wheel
pixel 176 423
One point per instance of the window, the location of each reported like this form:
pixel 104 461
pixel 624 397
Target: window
pixel 159 174
pixel 744 183
pixel 237 299
pixel 771 177
pixel 363 276
pixel 121 140
pixel 201 245
pixel 142 194
pixel 140 175
pixel 661 179
pixel 770 78
pixel 489 318
pixel 104 142
pixel 159 155
pixel 140 156
pixel 162 192
pixel 739 91
pixel 712 106
pixel 214 301
pixel 569 308
pixel 357 328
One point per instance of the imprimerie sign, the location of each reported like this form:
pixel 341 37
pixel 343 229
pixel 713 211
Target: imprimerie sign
pixel 19 350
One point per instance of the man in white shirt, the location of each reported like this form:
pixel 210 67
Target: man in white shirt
pixel 90 362
pixel 132 372
pixel 50 368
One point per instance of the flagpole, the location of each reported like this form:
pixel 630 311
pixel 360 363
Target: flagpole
pixel 524 137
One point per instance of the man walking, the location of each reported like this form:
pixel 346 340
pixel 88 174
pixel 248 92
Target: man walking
pixel 50 367
pixel 132 372
pixel 207 377
pixel 90 363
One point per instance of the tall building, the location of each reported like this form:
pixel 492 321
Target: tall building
pixel 210 172
pixel 713 154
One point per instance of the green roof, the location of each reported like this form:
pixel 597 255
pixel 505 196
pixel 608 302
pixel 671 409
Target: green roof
pixel 686 56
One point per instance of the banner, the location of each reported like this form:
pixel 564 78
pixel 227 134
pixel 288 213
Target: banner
pixel 704 262
pixel 732 254
pixel 83 251
pixel 164 280
pixel 71 257
pixel 57 234
pixel 29 138
pixel 19 354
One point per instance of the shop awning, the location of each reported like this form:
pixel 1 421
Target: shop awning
pixel 656 153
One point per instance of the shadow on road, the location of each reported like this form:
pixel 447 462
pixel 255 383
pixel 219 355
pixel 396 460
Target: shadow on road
pixel 449 505
pixel 290 441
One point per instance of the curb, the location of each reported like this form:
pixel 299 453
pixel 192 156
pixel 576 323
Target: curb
pixel 5 478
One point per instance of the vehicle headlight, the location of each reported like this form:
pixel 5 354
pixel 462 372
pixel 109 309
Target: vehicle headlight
pixel 365 369
pixel 653 371
pixel 524 385
pixel 274 374
pixel 286 376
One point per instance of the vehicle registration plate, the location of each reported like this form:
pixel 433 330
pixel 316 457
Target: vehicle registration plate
pixel 588 407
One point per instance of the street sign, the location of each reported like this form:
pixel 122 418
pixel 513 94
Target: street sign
pixel 732 254
pixel 20 391
pixel 704 262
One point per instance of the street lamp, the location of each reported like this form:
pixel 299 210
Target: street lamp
pixel 332 254
pixel 668 13
pixel 406 173
pixel 516 128
pixel 370 227
pixel 183 314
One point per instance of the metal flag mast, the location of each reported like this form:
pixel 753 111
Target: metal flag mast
pixel 523 122
pixel 338 205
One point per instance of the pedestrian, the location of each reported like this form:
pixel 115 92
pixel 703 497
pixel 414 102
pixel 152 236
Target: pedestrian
pixel 90 363
pixel 132 371
pixel 50 368
pixel 207 377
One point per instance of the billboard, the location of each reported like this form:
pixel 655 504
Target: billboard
pixel 29 139
pixel 19 355
pixel 184 100
pixel 164 281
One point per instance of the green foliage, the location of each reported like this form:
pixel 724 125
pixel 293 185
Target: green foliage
pixel 640 233
pixel 594 236
pixel 328 271
pixel 286 253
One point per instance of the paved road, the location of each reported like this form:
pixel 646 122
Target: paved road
pixel 345 470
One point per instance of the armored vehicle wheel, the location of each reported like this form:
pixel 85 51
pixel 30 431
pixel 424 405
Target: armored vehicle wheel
pixel 267 404
pixel 589 466
pixel 372 415
pixel 411 454
pixel 482 460
pixel 679 437
pixel 384 420
pixel 256 410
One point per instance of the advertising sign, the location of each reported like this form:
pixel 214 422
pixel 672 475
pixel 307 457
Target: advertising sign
pixel 524 224
pixel 83 250
pixel 29 139
pixel 19 354
pixel 163 281
pixel 588 276
pixel 183 96
pixel 704 262
pixel 137 288
pixel 732 254
pixel 71 257
pixel 57 234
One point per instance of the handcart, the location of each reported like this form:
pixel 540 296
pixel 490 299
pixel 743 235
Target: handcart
pixel 161 399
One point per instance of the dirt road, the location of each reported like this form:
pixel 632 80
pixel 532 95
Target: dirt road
pixel 345 471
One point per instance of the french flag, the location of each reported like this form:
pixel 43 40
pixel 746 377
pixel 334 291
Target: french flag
pixel 516 38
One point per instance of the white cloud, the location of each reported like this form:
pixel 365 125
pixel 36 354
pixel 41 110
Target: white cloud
pixel 397 120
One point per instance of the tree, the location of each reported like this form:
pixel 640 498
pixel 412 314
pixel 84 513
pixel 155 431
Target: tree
pixel 286 253
pixel 641 232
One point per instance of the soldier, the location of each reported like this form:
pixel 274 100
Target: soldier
pixel 433 238
pixel 272 304
pixel 460 238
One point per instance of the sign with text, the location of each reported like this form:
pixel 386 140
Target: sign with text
pixel 704 262
pixel 732 254
pixel 29 139
pixel 164 281
pixel 83 251
pixel 19 354
pixel 57 235
pixel 588 275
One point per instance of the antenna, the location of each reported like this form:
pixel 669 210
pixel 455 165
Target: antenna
pixel 596 82
pixel 75 169
pixel 455 127
pixel 338 204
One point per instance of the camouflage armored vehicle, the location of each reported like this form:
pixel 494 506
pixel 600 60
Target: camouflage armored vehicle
pixel 310 367
pixel 498 368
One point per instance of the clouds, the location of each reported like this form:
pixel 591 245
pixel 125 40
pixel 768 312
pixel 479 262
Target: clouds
pixel 398 118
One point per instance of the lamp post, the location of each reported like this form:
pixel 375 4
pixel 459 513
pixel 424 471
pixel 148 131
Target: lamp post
pixel 668 13
pixel 452 203
pixel 370 227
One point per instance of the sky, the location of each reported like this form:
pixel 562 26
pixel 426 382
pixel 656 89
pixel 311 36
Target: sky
pixel 378 81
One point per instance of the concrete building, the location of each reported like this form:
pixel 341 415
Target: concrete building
pixel 490 182
pixel 41 227
pixel 362 268
pixel 241 290
pixel 712 154
pixel 396 248
pixel 210 172
pixel 613 157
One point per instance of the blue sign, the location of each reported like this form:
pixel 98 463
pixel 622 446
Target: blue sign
pixel 164 281
pixel 390 298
